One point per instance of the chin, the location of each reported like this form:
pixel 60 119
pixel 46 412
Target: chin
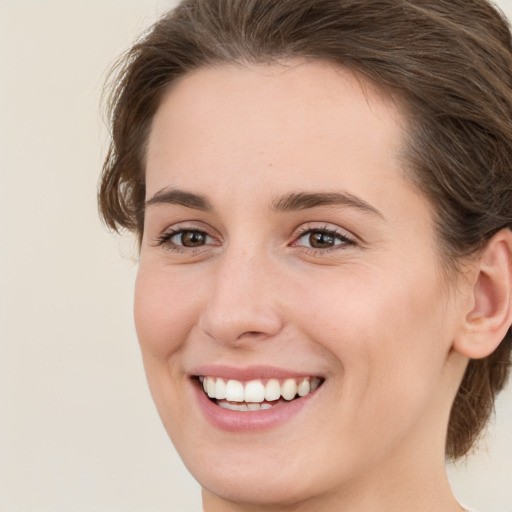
pixel 260 487
pixel 261 474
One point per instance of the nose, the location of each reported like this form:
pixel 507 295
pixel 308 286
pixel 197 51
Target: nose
pixel 242 304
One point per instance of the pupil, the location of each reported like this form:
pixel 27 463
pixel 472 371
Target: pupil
pixel 192 238
pixel 321 240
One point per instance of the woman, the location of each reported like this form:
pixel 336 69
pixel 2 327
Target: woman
pixel 322 195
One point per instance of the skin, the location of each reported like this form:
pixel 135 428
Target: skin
pixel 374 315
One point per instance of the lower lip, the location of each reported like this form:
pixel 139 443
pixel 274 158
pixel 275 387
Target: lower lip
pixel 248 421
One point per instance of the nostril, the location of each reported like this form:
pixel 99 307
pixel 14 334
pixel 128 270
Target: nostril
pixel 236 324
pixel 250 336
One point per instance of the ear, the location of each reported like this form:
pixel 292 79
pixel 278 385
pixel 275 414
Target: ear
pixel 489 319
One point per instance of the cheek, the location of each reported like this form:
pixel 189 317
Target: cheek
pixel 387 334
pixel 163 319
pixel 163 314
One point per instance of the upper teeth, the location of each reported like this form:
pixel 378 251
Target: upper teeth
pixel 256 391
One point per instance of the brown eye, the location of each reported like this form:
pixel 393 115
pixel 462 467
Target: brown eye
pixel 192 238
pixel 323 239
pixel 186 240
pixel 320 240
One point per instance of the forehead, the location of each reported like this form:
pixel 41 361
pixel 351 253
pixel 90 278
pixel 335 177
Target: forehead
pixel 312 123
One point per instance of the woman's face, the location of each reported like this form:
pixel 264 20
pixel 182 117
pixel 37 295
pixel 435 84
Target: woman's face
pixel 283 248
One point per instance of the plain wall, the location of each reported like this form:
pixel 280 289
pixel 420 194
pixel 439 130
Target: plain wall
pixel 78 429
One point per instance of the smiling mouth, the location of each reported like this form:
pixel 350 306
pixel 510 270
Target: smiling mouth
pixel 257 395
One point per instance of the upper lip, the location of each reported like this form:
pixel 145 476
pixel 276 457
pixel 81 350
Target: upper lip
pixel 248 373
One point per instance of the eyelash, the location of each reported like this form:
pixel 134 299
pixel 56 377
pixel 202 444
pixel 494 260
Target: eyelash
pixel 342 237
pixel 164 240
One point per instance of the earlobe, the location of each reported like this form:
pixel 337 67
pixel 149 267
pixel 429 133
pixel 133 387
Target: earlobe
pixel 489 319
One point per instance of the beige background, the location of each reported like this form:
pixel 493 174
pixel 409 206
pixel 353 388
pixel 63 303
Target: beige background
pixel 78 430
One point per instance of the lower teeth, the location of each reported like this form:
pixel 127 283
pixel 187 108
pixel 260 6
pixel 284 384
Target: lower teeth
pixel 244 406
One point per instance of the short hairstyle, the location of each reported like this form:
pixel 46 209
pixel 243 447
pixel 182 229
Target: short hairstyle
pixel 449 63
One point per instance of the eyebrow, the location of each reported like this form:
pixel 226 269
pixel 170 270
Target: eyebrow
pixel 288 203
pixel 180 197
pixel 306 200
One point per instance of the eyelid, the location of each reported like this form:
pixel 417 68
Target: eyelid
pixel 333 230
pixel 163 239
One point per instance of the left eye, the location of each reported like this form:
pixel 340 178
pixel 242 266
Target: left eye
pixel 322 239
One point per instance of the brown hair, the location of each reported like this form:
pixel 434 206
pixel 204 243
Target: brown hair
pixel 448 61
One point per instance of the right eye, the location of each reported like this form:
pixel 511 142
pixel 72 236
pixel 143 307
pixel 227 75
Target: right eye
pixel 183 239
pixel 189 238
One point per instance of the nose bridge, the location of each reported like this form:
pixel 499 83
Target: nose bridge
pixel 241 303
